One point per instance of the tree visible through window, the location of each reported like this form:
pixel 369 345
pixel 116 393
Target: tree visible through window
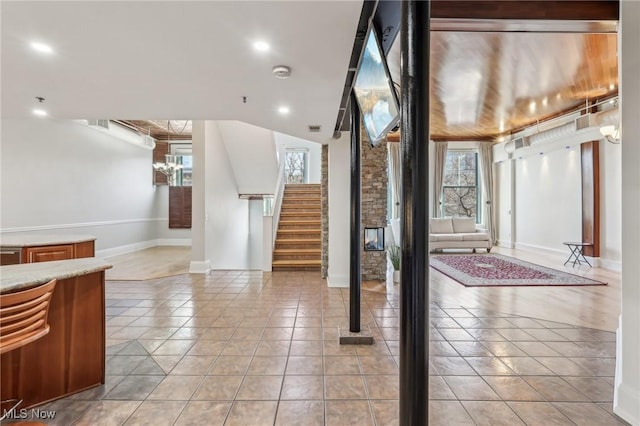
pixel 295 166
pixel 460 185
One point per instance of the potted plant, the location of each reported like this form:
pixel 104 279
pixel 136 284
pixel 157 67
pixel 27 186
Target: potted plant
pixel 394 257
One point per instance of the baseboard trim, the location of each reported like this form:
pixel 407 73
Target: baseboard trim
pixel 337 281
pixel 199 267
pixel 541 249
pixel 505 243
pixel 130 248
pixel 127 248
pixel 612 265
pixel 183 242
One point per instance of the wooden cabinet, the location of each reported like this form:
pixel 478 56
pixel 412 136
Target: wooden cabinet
pixel 46 253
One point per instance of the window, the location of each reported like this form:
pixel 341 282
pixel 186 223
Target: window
pixel 295 167
pixel 460 195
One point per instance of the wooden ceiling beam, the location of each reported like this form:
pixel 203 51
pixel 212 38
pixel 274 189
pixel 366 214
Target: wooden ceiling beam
pixel 570 10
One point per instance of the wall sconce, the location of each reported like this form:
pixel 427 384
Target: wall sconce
pixel 169 167
pixel 510 147
pixel 611 133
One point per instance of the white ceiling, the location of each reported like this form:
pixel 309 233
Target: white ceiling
pixel 179 60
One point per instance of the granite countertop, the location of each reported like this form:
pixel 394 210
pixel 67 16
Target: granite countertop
pixel 20 277
pixel 42 240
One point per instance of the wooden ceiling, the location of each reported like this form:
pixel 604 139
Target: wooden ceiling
pixel 484 85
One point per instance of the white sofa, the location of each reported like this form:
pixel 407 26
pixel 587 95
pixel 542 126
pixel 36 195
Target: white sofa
pixel 457 233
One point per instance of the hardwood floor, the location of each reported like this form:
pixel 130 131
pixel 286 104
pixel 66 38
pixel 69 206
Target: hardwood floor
pixel 154 262
pixel 589 306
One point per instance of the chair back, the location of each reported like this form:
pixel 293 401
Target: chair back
pixel 23 316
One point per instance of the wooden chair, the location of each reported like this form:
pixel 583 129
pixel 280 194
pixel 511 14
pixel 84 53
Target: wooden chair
pixel 23 316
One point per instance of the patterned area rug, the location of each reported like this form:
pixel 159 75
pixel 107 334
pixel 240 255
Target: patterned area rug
pixel 489 270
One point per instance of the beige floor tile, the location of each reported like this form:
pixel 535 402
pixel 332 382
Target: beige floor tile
pixel 300 413
pixel 298 365
pixel 176 388
pixel 306 348
pixel 470 388
pixel 554 388
pixel 240 348
pixel 445 413
pixel 255 413
pixel 586 414
pixel 378 365
pixel 539 414
pixel 438 389
pixel 511 388
pixel 193 365
pixel 134 388
pixel 525 366
pixel 260 388
pixel 218 388
pixel 451 366
pixel 108 413
pixel 344 387
pixel 594 388
pixel 277 333
pixel 267 365
pixel 274 348
pixel 488 413
pixel 382 386
pixel 341 365
pixel 174 347
pixel 562 366
pixel 156 413
pixel 341 413
pixel 386 412
pixel 302 388
pixel 489 366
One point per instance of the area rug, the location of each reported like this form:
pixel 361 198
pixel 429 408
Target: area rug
pixel 494 270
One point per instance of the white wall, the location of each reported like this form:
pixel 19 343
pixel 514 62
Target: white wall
pixel 251 153
pixel 548 200
pixel 610 205
pixel 66 178
pixel 226 216
pixel 339 211
pixel 256 234
pixel 626 402
pixel 314 157
pixel 503 202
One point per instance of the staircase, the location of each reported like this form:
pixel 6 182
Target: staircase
pixel 298 239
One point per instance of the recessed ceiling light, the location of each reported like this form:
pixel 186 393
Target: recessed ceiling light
pixel 284 110
pixel 261 46
pixel 532 106
pixel 41 47
pixel 612 86
pixel 545 101
pixel 40 112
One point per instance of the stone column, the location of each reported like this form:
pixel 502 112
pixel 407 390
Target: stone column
pixel 324 200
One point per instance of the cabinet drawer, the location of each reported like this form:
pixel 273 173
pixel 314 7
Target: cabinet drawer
pixel 48 253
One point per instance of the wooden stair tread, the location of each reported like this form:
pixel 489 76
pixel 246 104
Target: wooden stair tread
pixel 297 262
pixel 295 251
pixel 298 240
pixel 302 221
pixel 300 231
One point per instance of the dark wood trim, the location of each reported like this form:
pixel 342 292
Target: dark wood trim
pixel 595 10
pixel 180 207
pixel 590 165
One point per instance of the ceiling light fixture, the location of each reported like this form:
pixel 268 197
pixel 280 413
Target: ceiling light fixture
pixel 611 133
pixel 284 110
pixel 169 168
pixel 532 106
pixel 41 47
pixel 40 112
pixel 261 46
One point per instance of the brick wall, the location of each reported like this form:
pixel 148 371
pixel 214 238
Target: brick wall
pixel 374 204
pixel 324 185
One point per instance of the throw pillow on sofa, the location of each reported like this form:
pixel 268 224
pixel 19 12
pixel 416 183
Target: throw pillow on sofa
pixel 441 226
pixel 464 224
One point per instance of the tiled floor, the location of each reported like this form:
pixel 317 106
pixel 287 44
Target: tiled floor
pixel 247 348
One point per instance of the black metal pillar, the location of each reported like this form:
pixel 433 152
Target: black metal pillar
pixel 414 306
pixel 356 177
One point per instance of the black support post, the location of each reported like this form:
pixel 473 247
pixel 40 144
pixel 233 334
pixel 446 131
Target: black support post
pixel 356 182
pixel 414 295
